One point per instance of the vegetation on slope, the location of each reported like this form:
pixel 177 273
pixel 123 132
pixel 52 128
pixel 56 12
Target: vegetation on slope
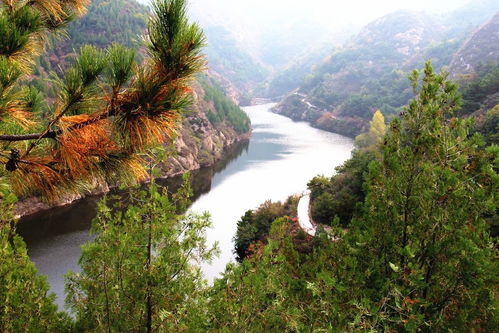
pixel 254 225
pixel 369 73
pixel 228 59
pixel 417 255
pixel 223 110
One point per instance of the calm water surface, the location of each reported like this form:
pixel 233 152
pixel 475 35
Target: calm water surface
pixel 281 157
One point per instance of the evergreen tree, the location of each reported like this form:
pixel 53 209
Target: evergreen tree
pixel 108 108
pixel 25 302
pixel 140 272
pixel 416 258
pixel 426 258
pixel 261 294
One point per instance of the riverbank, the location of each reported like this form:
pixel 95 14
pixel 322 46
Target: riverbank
pixel 189 157
pixel 281 157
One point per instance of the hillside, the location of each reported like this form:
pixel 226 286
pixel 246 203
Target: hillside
pixel 482 47
pixel 365 74
pixel 199 141
pixel 239 72
pixel 370 72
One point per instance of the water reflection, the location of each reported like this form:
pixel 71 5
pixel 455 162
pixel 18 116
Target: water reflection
pixel 54 236
pixel 280 158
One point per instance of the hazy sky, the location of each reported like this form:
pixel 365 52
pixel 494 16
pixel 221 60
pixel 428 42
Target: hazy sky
pixel 328 12
pixel 341 11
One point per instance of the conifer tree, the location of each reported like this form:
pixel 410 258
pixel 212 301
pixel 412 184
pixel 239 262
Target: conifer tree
pixel 140 274
pixel 108 109
pixel 422 245
pixel 25 302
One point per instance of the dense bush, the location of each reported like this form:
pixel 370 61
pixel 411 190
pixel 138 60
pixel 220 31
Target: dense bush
pixel 254 225
pixel 340 194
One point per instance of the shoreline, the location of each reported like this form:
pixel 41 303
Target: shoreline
pixel 34 205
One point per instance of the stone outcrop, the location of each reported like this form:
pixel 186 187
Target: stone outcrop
pixel 198 144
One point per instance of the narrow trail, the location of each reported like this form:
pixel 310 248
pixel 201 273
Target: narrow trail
pixel 304 216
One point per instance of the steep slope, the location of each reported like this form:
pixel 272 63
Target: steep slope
pixel 367 73
pixel 289 77
pixel 464 20
pixel 238 70
pixel 199 141
pixel 123 21
pixel 215 124
pixel 476 67
pixel 481 48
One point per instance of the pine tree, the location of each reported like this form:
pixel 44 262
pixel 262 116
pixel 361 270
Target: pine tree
pixel 25 302
pixel 422 245
pixel 108 108
pixel 140 272
pixel 264 292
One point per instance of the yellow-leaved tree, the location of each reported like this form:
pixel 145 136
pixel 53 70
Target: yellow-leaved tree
pixel 375 133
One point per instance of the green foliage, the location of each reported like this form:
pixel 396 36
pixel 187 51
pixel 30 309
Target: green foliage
pixel 254 225
pixel 25 302
pixel 224 110
pixel 264 292
pixel 417 255
pixel 120 22
pixel 479 92
pixel 140 273
pixel 122 63
pixel 489 126
pixel 341 194
pixel 422 239
pixel 107 22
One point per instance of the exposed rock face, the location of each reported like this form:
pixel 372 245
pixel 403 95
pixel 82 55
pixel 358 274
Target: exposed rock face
pixel 481 47
pixel 198 144
pixel 406 32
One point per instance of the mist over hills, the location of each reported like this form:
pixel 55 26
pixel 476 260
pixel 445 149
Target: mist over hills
pixel 346 63
pixel 370 71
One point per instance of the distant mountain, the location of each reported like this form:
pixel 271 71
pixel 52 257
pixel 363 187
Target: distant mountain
pixel 370 71
pixel 250 45
pixel 482 47
pixel 367 73
pixel 462 21
pixel 237 68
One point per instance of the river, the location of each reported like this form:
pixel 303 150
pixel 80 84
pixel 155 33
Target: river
pixel 279 160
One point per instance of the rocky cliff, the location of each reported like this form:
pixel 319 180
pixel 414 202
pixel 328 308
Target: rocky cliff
pixel 199 143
